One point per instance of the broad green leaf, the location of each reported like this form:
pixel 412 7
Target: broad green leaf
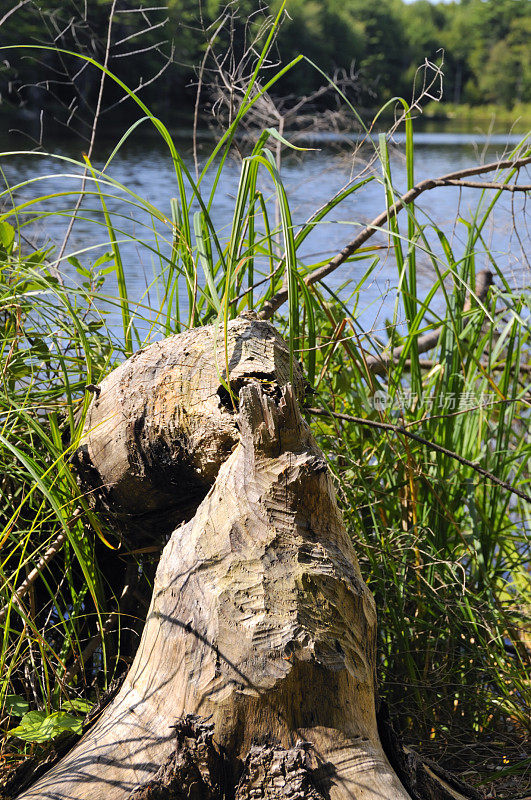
pixel 15 705
pixel 7 235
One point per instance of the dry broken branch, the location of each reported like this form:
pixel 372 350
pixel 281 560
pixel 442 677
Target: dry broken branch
pixel 400 429
pixel 271 305
pixel 45 559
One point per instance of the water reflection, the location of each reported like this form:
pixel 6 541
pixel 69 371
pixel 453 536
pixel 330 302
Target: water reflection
pixel 144 166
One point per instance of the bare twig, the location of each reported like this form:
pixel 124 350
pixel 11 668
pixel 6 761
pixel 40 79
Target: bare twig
pixel 141 10
pixel 271 305
pixel 500 187
pixel 143 31
pixel 12 11
pixel 92 134
pixel 429 363
pixel 387 426
pixel 144 84
pixel 379 363
pixel 34 574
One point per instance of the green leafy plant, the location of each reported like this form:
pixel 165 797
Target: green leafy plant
pixel 39 727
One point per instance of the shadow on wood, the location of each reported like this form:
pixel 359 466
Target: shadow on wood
pixel 260 621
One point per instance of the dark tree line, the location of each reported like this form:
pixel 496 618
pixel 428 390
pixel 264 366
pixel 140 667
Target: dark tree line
pixel 378 45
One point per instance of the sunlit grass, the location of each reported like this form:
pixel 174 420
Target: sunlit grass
pixel 442 549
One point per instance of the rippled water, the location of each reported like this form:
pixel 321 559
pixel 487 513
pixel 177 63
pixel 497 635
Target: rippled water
pixel 144 167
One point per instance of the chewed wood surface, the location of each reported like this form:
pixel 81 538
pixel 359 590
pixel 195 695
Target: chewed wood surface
pixel 260 620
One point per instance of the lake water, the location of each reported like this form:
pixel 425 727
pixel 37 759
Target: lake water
pixel 311 178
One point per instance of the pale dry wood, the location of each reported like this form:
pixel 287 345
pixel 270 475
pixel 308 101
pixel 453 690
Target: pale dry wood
pixel 260 619
pixel 162 423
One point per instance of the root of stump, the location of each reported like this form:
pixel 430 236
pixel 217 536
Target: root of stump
pixel 198 770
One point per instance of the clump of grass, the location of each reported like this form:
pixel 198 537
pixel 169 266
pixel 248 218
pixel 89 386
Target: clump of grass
pixel 443 549
pixel 51 594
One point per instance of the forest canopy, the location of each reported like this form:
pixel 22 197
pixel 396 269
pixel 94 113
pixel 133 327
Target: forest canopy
pixel 482 45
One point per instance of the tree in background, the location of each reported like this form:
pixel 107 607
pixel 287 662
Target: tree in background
pixel 488 39
pixel 506 78
pixel 485 44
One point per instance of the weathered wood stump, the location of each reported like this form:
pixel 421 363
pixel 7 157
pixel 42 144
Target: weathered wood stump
pixel 260 621
pixel 163 423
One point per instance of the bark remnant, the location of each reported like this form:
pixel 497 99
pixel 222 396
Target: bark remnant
pixel 196 770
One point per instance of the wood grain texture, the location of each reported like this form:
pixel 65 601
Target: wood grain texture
pixel 259 621
pixel 162 423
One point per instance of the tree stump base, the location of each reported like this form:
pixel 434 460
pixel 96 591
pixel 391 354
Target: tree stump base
pixel 255 674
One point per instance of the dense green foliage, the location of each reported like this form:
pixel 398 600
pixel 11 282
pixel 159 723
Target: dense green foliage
pixel 442 548
pixel 486 46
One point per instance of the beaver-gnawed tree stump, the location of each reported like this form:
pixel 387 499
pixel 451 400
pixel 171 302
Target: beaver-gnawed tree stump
pixel 255 675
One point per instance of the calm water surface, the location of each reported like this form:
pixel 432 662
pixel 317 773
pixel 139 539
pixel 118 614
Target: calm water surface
pixel 143 165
